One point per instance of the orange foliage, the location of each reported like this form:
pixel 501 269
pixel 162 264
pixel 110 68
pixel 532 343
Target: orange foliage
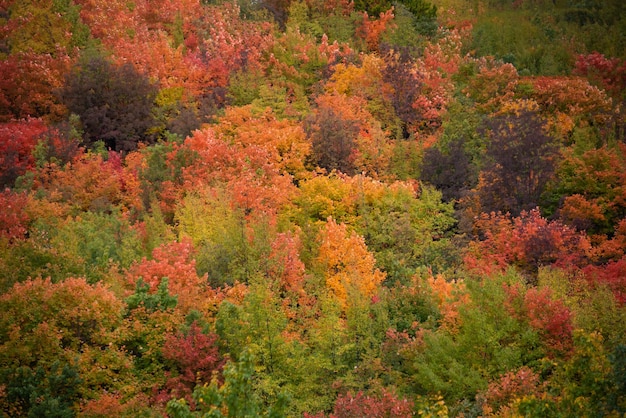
pixel 371 30
pixel 284 140
pixel 494 85
pixel 29 83
pixel 249 173
pixel 173 261
pixel 347 263
pixel 450 297
pixel 152 54
pixel 91 183
pixel 108 20
pixel 572 95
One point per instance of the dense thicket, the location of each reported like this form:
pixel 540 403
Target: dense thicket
pixel 312 208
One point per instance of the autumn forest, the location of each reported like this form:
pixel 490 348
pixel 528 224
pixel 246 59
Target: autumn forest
pixel 312 208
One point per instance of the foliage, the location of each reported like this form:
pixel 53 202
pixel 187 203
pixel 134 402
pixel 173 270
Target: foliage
pixel 17 142
pixel 53 338
pixel 195 359
pixel 29 84
pixel 528 242
pixel 385 405
pixel 312 208
pixel 234 398
pixel 520 163
pixel 348 265
pixel 114 103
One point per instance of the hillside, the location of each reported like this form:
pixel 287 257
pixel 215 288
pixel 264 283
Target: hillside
pixel 312 208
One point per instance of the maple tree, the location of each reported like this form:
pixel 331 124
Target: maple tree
pixel 195 358
pixel 175 262
pixel 591 181
pixel 29 83
pixel 14 219
pixel 610 73
pixel 385 405
pixel 311 208
pixel 348 265
pixel 17 142
pixel 528 241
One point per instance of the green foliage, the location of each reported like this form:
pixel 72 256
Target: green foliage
pixel 41 393
pixel 405 231
pixel 523 44
pixel 100 241
pixel 221 234
pixel 488 342
pixel 161 300
pixel 584 385
pixel 234 398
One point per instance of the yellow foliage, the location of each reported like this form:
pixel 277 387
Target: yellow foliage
pixel 205 217
pixel 352 80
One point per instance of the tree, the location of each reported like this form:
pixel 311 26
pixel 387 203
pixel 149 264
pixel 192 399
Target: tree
pixel 114 103
pixel 520 163
pixel 333 140
pixel 348 265
pixel 29 84
pixel 528 242
pixel 234 398
pixel 17 142
pixel 450 171
pixel 55 339
pixel 194 358
pixel 385 405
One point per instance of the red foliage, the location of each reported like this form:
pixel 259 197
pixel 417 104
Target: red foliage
pixel 609 73
pixel 28 84
pixel 510 386
pixel 386 405
pixel 17 141
pixel 286 265
pixel 13 218
pixel 528 241
pixel 550 317
pixel 196 358
pixel 612 274
pixel 435 70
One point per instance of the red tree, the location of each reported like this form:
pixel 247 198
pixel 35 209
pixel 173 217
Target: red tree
pixel 195 358
pixel 17 141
